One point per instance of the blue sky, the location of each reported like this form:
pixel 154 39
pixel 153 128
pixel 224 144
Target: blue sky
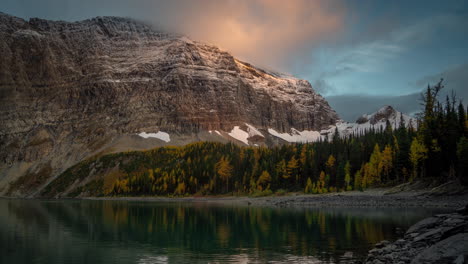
pixel 359 54
pixel 388 50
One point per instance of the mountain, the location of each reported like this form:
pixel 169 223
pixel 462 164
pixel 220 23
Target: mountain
pixel 366 122
pixel 72 90
pixel 377 120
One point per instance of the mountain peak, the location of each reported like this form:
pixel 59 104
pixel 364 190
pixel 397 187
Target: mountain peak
pixel 384 113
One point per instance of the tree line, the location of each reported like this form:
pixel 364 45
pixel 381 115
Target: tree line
pixel 381 156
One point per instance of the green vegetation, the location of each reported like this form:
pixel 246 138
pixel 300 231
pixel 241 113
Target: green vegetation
pixel 437 151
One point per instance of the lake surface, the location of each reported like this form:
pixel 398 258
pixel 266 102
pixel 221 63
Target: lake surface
pixel 74 231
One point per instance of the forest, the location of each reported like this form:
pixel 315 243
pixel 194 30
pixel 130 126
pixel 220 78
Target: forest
pixel 437 151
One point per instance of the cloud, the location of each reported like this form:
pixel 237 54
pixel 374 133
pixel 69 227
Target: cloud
pixel 264 32
pixel 323 87
pixel 455 79
pixel 370 57
pixel 350 107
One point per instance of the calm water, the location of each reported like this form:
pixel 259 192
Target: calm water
pixel 33 231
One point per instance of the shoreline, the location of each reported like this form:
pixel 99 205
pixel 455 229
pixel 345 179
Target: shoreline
pixel 388 197
pixel 369 198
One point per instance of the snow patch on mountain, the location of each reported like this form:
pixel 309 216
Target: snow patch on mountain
pixel 160 135
pixel 253 131
pixel 296 136
pixel 239 134
pixel 245 134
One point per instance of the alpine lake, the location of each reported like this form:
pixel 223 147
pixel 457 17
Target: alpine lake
pixel 110 231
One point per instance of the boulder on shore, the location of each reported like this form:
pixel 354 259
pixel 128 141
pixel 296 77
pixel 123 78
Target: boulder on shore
pixel 442 238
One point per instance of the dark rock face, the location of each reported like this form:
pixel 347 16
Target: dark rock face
pixel 439 239
pixel 385 113
pixel 71 90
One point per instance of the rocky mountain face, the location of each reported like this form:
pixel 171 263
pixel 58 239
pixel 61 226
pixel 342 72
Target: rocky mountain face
pixel 72 90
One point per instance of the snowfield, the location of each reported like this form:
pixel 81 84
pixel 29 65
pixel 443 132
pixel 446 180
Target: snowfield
pixel 296 136
pixel 160 135
pixel 239 134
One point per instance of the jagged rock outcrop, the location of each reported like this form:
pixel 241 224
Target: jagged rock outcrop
pixel 72 90
pixel 442 238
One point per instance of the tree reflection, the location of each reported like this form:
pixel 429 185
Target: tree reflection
pixel 197 229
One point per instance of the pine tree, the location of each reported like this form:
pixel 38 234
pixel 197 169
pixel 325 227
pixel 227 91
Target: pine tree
pixel 462 155
pixel 462 124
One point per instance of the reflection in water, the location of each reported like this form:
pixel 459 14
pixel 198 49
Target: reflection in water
pixel 76 231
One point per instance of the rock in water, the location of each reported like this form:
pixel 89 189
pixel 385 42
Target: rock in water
pixel 438 239
pixel 73 90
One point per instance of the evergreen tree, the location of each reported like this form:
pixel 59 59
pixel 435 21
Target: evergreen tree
pixel 462 155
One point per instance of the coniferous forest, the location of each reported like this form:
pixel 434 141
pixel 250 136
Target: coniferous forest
pixel 435 151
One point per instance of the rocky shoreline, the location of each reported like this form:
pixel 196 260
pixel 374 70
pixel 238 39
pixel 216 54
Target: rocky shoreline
pixel 371 198
pixel 442 238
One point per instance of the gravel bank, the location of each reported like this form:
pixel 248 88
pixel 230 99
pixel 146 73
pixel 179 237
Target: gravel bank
pixel 369 198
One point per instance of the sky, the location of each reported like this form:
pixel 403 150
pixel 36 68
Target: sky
pixel 359 54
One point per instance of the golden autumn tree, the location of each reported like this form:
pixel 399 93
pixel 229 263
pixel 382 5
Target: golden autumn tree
pixel 309 187
pixel 180 189
pixel 373 169
pixel 292 167
pixel 281 169
pixel 224 170
pixel 386 162
pixel 418 153
pixel 321 184
pixel 330 164
pixel 357 180
pixel 365 175
pixel 264 180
